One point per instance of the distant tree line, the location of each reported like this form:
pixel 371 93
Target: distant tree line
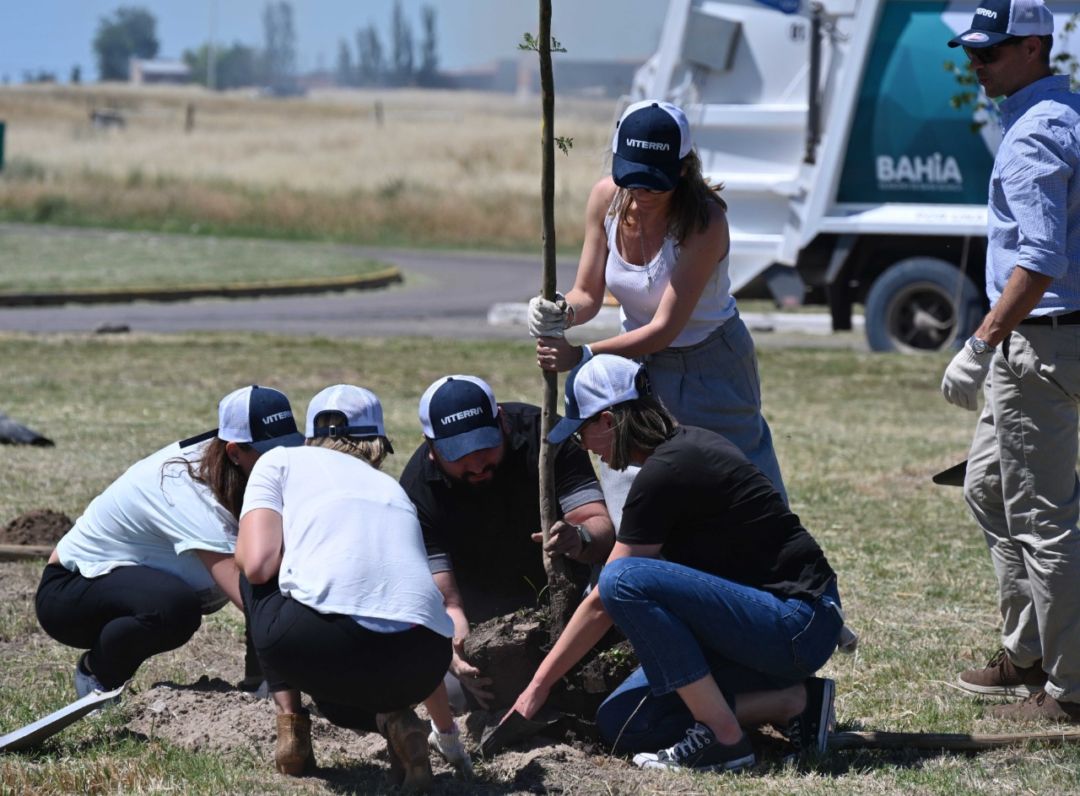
pixel 130 32
pixel 240 65
pixel 405 64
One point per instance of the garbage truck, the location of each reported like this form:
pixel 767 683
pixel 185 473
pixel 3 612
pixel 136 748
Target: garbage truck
pixel 854 159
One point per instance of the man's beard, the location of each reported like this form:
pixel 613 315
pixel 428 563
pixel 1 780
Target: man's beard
pixel 479 486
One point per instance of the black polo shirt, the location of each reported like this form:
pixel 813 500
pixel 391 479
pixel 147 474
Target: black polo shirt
pixel 711 509
pixel 483 533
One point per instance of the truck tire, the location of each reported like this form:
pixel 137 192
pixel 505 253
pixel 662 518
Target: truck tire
pixel 921 304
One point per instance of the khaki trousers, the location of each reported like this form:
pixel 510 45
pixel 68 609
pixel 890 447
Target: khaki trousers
pixel 1022 487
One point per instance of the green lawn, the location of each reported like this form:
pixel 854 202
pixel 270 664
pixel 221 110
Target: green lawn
pixel 53 259
pixel 858 437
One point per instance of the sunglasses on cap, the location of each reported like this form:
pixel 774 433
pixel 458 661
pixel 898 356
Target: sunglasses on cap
pixel 987 55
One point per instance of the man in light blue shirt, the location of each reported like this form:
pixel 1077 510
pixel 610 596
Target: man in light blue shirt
pixel 1021 481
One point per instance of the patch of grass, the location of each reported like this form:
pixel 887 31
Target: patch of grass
pixel 104 764
pixel 858 437
pixel 35 260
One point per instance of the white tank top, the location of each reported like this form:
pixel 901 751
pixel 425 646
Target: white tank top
pixel 638 289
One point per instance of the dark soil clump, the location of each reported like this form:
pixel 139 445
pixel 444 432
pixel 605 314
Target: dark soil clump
pixel 38 527
pixel 509 648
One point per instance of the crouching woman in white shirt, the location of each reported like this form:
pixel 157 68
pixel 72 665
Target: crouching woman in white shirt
pixel 153 553
pixel 337 588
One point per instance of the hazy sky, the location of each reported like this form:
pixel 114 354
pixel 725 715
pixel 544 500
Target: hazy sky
pixel 55 35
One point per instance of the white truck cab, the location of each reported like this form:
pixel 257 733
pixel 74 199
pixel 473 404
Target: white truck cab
pixel 851 171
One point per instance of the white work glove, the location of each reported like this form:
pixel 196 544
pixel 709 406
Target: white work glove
pixel 548 318
pixel 449 745
pixel 965 376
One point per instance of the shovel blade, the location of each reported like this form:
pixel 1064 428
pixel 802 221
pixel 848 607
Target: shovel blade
pixel 514 729
pixel 952 476
pixel 34 733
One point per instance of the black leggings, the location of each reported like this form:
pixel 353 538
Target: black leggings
pixel 351 672
pixel 123 618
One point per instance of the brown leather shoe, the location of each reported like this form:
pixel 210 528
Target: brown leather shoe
pixel 292 753
pixel 407 746
pixel 1040 706
pixel 1001 677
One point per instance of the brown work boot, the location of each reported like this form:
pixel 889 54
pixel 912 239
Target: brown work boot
pixel 1001 677
pixel 407 745
pixel 293 754
pixel 1040 706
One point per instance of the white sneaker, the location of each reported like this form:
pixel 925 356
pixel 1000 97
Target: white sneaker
pixel 449 745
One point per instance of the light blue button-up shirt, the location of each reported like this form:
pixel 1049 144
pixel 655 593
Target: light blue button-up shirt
pixel 1034 208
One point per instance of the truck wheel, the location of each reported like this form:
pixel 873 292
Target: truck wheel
pixel 921 304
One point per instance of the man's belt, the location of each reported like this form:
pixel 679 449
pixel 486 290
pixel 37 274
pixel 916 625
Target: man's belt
pixel 1068 319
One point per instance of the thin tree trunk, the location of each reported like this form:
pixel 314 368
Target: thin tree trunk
pixel 560 589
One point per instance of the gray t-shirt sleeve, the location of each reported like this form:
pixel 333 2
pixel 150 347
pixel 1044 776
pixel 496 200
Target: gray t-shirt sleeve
pixel 589 493
pixel 439 562
pixel 575 479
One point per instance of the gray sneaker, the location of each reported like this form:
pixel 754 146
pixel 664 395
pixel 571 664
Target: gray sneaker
pixel 85 682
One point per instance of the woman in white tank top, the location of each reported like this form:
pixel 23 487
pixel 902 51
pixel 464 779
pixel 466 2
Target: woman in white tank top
pixel 656 237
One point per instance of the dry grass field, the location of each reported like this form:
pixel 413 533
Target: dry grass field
pixel 440 168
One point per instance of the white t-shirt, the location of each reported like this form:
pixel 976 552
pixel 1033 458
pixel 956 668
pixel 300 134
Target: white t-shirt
pixel 352 540
pixel 153 515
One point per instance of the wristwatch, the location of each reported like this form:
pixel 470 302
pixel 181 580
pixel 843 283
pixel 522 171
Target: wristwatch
pixel 584 536
pixel 979 347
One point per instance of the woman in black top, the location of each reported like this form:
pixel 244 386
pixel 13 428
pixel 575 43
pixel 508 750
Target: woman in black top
pixel 728 601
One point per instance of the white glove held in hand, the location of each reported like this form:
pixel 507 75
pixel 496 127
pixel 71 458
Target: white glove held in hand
pixel 964 378
pixel 547 318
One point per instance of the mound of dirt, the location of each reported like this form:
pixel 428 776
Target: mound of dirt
pixel 212 715
pixel 38 527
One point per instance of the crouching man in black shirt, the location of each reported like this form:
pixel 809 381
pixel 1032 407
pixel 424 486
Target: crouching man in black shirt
pixel 728 601
pixel 475 484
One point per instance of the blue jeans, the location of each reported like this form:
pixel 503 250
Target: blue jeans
pixel 684 624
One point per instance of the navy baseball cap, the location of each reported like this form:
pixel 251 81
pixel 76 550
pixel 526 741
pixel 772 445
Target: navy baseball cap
pixel 998 20
pixel 648 146
pixel 258 416
pixel 460 416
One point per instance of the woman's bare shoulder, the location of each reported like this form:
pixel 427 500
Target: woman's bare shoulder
pixel 715 235
pixel 717 213
pixel 601 196
pixel 603 190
